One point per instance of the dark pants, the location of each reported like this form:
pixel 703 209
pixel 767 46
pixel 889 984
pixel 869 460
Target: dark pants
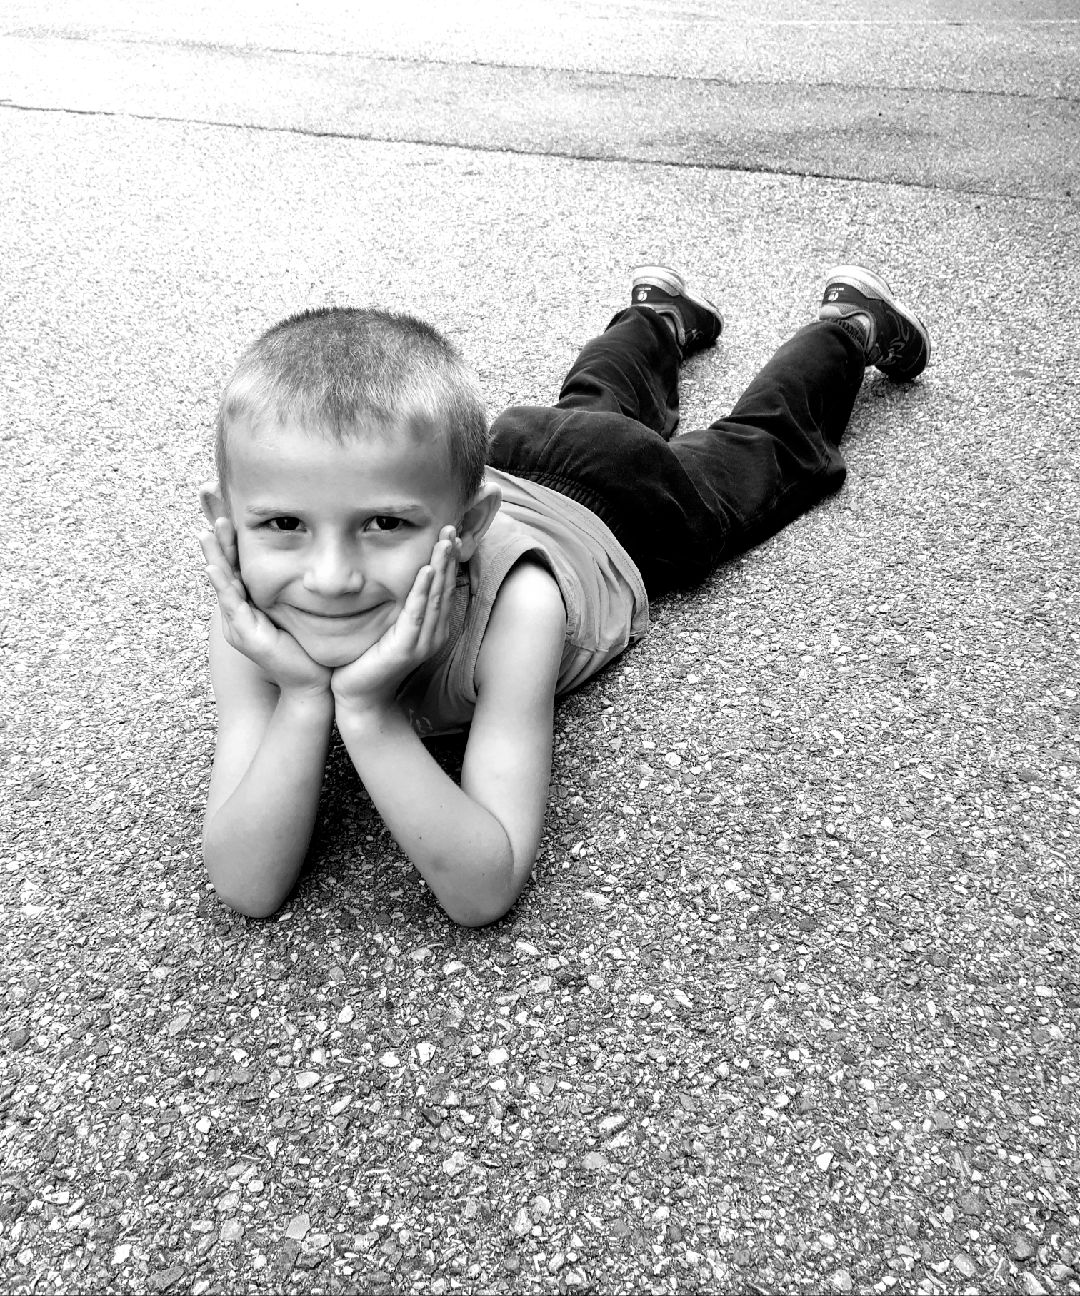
pixel 681 505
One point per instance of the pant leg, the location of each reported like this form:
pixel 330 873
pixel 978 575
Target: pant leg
pixel 632 368
pixel 778 452
pixel 606 435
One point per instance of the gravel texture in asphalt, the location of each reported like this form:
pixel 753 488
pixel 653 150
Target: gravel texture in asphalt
pixel 792 1002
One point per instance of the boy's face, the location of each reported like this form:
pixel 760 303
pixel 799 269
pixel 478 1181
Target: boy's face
pixel 331 534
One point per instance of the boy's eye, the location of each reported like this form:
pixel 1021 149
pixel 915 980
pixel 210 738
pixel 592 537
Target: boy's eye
pixel 384 522
pixel 283 524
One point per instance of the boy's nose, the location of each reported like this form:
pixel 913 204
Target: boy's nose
pixel 332 572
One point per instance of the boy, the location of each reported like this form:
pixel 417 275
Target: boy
pixel 382 565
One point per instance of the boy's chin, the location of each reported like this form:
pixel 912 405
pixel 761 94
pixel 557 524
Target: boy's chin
pixel 333 656
pixel 332 653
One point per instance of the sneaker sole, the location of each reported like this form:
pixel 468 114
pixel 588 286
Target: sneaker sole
pixel 872 285
pixel 673 282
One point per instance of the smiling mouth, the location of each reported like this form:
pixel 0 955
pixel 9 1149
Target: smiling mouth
pixel 340 616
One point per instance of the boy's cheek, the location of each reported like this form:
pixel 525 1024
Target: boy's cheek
pixel 252 571
pixel 254 581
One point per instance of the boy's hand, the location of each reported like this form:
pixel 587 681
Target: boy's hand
pixel 251 631
pixel 421 629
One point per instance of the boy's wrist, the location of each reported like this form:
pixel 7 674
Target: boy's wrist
pixel 315 699
pixel 370 715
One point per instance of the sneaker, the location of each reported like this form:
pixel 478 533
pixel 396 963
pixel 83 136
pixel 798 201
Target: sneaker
pixel 697 321
pixel 897 341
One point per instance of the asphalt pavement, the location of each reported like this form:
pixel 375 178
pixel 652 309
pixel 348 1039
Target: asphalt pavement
pixel 792 1002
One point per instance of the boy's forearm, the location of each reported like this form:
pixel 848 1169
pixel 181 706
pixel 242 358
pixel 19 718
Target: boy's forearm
pixel 254 843
pixel 457 846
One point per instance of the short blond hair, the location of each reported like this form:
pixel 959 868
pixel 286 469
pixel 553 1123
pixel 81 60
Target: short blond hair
pixel 336 370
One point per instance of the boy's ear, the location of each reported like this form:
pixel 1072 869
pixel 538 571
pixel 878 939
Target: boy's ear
pixel 477 518
pixel 212 501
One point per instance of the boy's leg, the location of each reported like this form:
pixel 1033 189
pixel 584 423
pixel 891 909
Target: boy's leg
pixel 632 368
pixel 777 453
pixel 604 442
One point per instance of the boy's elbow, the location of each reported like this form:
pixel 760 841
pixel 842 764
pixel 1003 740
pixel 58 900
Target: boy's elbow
pixel 238 894
pixel 248 906
pixel 491 900
pixel 467 915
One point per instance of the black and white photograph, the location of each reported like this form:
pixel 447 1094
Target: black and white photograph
pixel 540 648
